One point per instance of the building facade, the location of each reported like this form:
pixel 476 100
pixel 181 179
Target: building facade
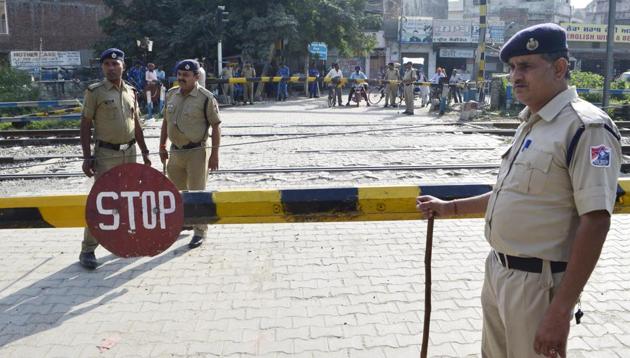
pixel 61 25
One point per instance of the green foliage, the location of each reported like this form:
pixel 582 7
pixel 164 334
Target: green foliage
pixel 186 28
pixel 588 80
pixel 52 124
pixel 15 86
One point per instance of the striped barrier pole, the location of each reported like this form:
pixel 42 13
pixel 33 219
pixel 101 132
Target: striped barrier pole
pixel 54 103
pixel 267 206
pixel 40 118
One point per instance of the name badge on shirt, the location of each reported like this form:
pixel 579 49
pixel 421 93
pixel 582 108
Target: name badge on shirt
pixel 600 156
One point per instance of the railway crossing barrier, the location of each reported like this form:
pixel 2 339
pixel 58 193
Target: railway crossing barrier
pixel 382 203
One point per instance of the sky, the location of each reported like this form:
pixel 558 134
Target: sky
pixel 579 4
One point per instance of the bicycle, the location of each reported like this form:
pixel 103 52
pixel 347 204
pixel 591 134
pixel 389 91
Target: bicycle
pixel 376 94
pixel 333 89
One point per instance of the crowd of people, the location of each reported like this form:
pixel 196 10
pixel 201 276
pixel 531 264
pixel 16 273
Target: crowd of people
pixel 152 82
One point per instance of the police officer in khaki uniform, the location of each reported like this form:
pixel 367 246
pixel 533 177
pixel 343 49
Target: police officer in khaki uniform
pixel 391 89
pixel 111 107
pixel 409 78
pixel 190 111
pixel 228 88
pixel 548 214
pixel 248 72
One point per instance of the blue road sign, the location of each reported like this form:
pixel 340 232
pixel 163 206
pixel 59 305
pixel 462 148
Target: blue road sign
pixel 319 49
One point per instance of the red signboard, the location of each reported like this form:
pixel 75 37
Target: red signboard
pixel 133 210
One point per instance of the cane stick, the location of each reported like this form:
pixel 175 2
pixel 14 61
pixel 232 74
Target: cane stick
pixel 427 288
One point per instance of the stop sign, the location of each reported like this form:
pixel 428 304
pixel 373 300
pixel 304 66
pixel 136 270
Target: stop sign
pixel 134 210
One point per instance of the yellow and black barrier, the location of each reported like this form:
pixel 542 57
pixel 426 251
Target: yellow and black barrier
pixel 266 206
pixel 302 79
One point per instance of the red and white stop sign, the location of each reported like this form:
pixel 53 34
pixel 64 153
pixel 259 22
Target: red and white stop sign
pixel 133 210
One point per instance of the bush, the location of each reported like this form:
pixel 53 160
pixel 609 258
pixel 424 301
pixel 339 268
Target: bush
pixel 15 86
pixel 588 80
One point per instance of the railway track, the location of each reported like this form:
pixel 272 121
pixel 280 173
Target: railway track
pixel 625 149
pixel 625 168
pixel 13 142
pixel 65 133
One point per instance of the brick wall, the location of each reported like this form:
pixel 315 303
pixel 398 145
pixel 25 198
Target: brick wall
pixel 62 25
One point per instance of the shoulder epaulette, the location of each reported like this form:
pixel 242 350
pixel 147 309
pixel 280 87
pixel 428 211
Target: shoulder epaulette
pixel 206 92
pixel 96 85
pixel 130 85
pixel 589 114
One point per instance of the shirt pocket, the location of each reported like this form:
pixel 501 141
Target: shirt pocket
pixel 108 109
pixel 531 171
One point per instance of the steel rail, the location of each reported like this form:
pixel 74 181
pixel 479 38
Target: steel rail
pixel 625 168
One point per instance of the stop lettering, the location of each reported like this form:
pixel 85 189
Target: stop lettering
pixel 134 210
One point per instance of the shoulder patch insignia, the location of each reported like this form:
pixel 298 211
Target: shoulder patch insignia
pixel 600 156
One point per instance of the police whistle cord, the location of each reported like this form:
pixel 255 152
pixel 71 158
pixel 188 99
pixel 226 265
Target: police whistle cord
pixel 427 288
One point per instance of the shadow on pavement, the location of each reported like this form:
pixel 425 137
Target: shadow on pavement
pixel 49 302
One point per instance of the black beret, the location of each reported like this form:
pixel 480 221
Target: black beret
pixel 113 53
pixel 188 65
pixel 541 38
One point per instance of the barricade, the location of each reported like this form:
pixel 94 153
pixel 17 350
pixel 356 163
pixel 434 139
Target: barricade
pixel 59 114
pixel 266 206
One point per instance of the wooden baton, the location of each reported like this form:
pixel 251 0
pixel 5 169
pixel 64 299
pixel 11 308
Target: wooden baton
pixel 427 288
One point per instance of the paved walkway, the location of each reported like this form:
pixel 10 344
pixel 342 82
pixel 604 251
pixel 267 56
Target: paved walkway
pixel 286 290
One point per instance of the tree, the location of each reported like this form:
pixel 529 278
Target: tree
pixel 186 28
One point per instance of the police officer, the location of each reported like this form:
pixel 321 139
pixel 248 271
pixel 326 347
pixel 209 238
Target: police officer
pixel 548 214
pixel 111 107
pixel 190 111
pixel 391 89
pixel 248 72
pixel 228 88
pixel 409 78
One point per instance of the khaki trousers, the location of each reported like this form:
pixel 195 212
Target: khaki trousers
pixel 409 98
pixel 249 92
pixel 514 303
pixel 188 170
pixel 391 92
pixel 104 160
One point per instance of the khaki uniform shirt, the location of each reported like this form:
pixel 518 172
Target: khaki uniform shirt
pixel 186 115
pixel 248 72
pixel 226 73
pixel 392 74
pixel 112 111
pixel 410 76
pixel 535 205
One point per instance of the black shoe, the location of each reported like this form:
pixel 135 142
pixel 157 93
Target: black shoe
pixel 88 260
pixel 385 106
pixel 408 113
pixel 367 104
pixel 196 241
pixel 348 104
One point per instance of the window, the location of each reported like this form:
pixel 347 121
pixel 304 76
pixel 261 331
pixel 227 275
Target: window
pixel 4 28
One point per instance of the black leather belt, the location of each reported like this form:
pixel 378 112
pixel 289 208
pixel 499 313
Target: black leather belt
pixel 123 146
pixel 529 264
pixel 189 146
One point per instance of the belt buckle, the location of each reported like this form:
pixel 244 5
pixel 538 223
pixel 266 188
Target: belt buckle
pixel 123 146
pixel 498 255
